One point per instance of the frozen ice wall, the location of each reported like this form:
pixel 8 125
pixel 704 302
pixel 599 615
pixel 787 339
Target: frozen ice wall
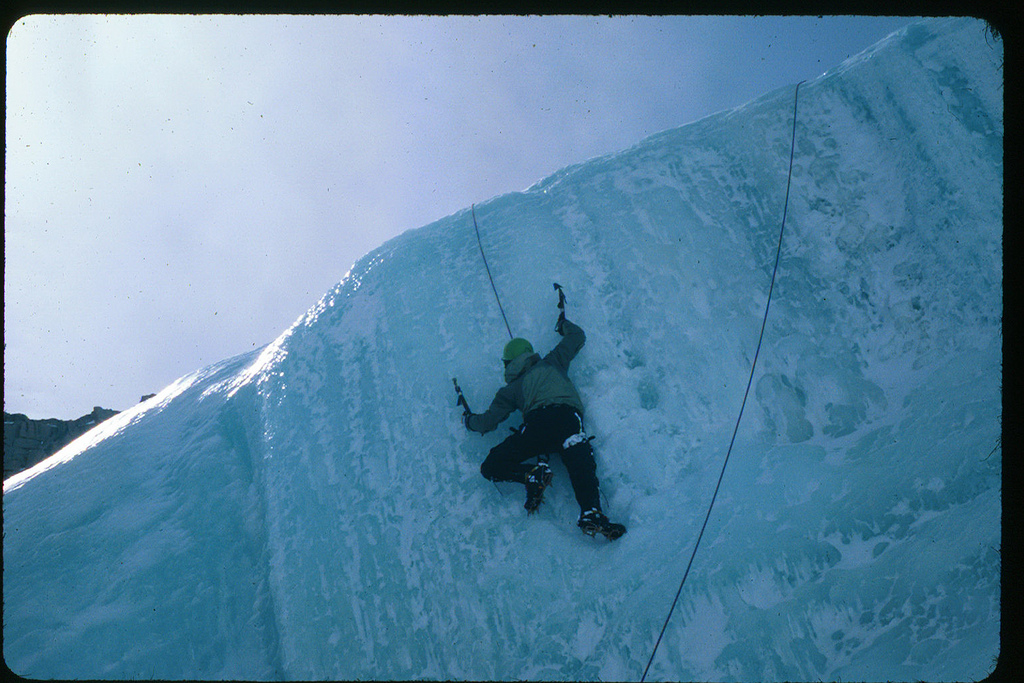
pixel 314 510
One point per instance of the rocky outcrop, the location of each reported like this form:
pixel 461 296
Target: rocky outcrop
pixel 28 441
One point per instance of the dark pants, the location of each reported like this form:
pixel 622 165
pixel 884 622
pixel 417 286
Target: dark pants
pixel 545 431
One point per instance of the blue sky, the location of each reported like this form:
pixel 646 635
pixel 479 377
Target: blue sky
pixel 181 188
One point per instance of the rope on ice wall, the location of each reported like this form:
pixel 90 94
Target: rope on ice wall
pixel 497 298
pixel 764 322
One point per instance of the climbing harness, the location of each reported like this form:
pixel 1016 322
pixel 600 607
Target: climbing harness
pixel 764 322
pixel 578 437
pixel 488 268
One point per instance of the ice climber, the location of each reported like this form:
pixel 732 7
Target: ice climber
pixel 552 423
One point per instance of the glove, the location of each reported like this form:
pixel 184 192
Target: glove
pixel 558 325
pixel 465 419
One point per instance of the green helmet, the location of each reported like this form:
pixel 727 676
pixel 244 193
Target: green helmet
pixel 516 348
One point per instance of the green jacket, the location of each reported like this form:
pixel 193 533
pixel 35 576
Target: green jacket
pixel 533 382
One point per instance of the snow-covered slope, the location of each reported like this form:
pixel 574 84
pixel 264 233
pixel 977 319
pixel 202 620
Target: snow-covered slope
pixel 315 509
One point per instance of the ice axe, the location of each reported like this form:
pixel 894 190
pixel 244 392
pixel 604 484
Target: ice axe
pixel 561 306
pixel 461 401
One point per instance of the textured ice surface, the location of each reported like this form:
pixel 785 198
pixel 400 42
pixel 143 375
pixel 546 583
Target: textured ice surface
pixel 314 510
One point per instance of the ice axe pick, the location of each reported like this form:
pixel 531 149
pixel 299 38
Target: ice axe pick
pixel 461 399
pixel 561 306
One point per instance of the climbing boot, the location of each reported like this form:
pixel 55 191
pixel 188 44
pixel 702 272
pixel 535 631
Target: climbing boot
pixel 537 480
pixel 593 521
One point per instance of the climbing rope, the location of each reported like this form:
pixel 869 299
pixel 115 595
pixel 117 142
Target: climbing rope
pixel 764 322
pixel 488 268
